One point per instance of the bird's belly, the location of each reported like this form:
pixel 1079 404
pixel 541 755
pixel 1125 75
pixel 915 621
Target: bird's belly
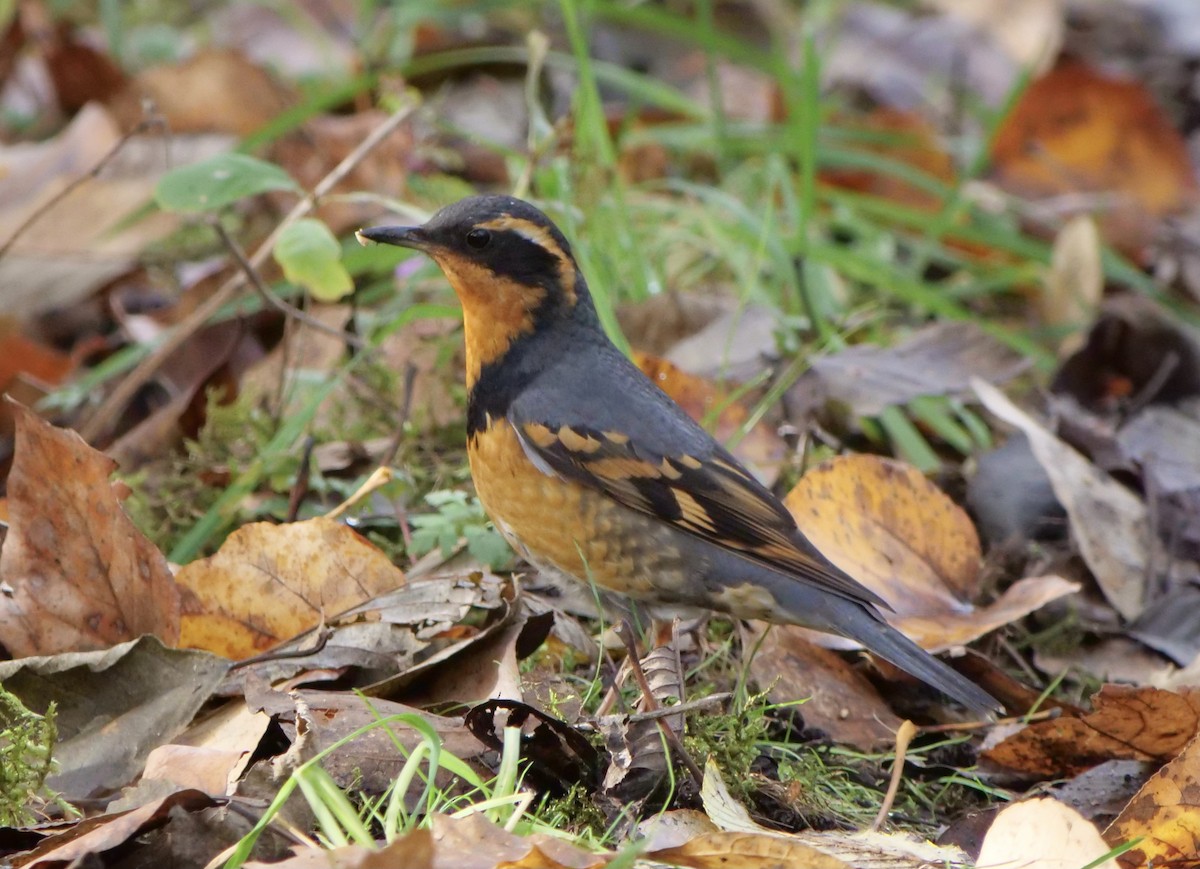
pixel 578 531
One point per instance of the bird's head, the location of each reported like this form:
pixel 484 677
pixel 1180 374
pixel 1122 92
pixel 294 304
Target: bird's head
pixel 510 266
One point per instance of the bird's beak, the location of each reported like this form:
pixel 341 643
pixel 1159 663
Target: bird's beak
pixel 404 236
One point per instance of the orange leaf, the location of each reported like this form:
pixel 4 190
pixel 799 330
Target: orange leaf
pixel 1165 813
pixel 269 583
pixel 895 532
pixel 1077 131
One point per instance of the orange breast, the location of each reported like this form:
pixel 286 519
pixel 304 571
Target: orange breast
pixel 576 530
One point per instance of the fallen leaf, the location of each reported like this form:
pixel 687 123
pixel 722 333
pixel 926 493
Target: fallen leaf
pixel 1043 834
pixel 149 695
pixel 899 535
pixel 1074 284
pixel 1135 350
pixel 901 137
pixel 1102 792
pixel 106 832
pixel 1108 522
pixel 202 769
pixel 212 754
pixel 321 143
pixel 370 762
pixel 1127 724
pixel 937 360
pixel 1075 130
pixel 1112 659
pixel 414 850
pixel 557 755
pixel 838 699
pixel 82 576
pixel 71 247
pixel 193 96
pixel 474 842
pixel 81 74
pixel 1165 814
pixel 853 849
pixel 484 667
pixel 269 583
pixel 746 851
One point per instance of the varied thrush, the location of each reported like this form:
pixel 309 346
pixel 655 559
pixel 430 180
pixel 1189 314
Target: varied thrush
pixel 590 470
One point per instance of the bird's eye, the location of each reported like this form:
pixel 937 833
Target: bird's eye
pixel 478 238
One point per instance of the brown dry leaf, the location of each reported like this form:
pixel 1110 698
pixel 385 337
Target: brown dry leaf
pixel 150 694
pixel 899 535
pixel 939 359
pixel 762 449
pixel 414 850
pixel 1077 131
pixel 269 583
pixel 840 701
pixel 1127 724
pixel 746 851
pixel 212 754
pixel 203 769
pixel 81 74
pixel 1109 523
pixel 28 370
pixel 371 761
pixel 640 759
pixel 474 842
pixel 71 247
pixel 312 151
pixel 194 96
pixel 1073 286
pixel 82 576
pixel 482 668
pixel 1042 834
pixel 854 849
pixel 105 832
pixel 1165 813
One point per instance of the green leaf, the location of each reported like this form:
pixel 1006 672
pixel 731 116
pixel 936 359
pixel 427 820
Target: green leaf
pixel 312 258
pixel 212 184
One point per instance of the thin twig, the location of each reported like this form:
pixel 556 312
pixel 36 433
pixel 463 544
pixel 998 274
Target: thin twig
pixel 682 708
pixel 124 391
pixel 282 305
pixel 961 726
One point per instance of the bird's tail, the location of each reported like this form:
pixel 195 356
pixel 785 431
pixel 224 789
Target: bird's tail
pixel 891 645
pixel 804 603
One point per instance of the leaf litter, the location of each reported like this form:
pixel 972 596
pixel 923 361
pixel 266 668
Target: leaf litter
pixel 305 614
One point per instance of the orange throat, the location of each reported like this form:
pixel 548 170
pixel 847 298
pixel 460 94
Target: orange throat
pixel 496 311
